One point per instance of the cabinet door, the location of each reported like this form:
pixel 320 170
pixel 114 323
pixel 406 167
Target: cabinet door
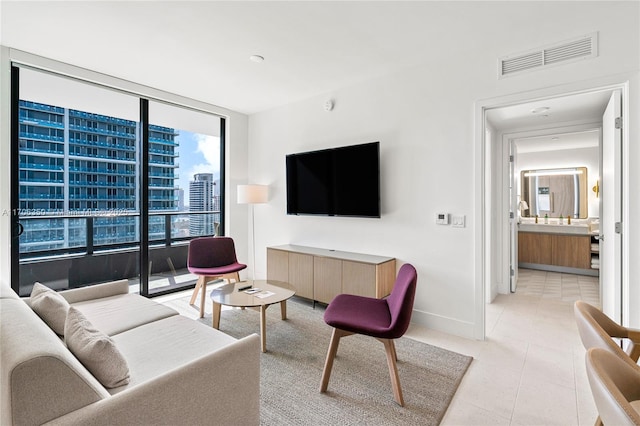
pixel 327 279
pixel 359 278
pixel 301 274
pixel 571 251
pixel 534 248
pixel 277 265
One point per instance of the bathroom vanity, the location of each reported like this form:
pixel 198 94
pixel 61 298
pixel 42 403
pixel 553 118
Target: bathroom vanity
pixel 559 248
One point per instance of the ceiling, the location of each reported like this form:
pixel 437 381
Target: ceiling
pixel 201 49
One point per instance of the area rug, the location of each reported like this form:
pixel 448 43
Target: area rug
pixel 359 391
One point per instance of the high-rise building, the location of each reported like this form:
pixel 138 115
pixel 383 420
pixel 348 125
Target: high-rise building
pixel 78 167
pixel 202 198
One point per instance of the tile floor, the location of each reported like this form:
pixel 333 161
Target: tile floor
pixel 530 369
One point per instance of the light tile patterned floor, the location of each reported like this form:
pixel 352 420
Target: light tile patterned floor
pixel 530 369
pixel 559 287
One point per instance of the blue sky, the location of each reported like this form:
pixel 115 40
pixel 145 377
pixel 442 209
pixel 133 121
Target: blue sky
pixel 198 154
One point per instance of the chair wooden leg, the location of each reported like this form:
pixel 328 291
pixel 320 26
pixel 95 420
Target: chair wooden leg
pixel 331 354
pixel 393 370
pixel 195 290
pixel 203 295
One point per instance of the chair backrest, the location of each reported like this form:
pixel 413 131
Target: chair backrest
pixel 400 300
pixel 614 386
pixel 211 252
pixel 596 331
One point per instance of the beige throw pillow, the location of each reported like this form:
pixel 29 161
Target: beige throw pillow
pixel 95 350
pixel 50 306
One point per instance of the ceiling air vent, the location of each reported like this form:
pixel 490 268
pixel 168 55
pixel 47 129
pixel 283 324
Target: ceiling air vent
pixel 567 51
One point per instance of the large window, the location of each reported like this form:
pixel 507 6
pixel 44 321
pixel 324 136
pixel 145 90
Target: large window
pixel 184 187
pixel 103 185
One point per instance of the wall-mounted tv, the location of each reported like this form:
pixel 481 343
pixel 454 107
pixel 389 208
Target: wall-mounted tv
pixel 342 181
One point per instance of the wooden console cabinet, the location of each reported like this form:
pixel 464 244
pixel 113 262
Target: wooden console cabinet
pixel 559 250
pixel 321 274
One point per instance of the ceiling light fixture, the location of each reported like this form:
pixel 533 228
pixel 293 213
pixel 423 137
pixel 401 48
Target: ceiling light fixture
pixel 256 58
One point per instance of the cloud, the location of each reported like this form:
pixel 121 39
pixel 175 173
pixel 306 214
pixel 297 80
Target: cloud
pixel 200 147
pixel 209 147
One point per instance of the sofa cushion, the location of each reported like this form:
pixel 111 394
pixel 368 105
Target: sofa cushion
pixel 115 314
pixel 156 348
pixel 95 350
pixel 50 306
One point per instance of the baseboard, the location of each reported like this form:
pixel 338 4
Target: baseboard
pixel 444 324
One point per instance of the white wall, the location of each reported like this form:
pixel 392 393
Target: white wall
pixel 424 119
pixel 583 157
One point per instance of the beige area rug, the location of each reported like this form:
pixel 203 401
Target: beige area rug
pixel 359 391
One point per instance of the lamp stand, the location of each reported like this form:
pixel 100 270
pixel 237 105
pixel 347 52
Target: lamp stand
pixel 253 242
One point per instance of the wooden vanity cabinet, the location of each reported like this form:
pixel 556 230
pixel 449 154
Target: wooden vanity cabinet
pixel 570 251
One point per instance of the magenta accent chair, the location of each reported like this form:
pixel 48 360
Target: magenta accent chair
pixel 209 258
pixel 384 319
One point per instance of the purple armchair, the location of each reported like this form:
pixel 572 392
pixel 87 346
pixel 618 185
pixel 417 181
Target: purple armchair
pixel 211 257
pixel 385 319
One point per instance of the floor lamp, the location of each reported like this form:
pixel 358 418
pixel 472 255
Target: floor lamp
pixel 253 194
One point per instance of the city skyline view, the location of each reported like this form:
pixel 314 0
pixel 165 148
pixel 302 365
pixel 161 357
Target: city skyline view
pixel 75 166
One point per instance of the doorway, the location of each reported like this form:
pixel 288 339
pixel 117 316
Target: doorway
pixel 503 119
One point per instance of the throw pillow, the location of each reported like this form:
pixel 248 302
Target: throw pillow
pixel 95 350
pixel 50 306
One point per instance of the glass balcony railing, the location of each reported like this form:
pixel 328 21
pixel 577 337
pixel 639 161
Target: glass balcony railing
pixel 107 230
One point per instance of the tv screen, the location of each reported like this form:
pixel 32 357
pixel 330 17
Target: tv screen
pixel 342 181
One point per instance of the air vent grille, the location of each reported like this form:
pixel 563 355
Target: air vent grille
pixel 568 51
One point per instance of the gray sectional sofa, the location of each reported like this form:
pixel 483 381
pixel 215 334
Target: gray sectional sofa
pixel 181 372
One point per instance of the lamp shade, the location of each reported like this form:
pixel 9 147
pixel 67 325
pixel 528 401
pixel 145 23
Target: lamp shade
pixel 523 205
pixel 253 194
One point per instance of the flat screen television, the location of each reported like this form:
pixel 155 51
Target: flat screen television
pixel 342 181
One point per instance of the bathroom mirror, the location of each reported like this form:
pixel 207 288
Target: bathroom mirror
pixel 555 192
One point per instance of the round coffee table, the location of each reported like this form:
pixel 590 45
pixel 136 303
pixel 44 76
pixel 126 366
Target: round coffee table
pixel 237 295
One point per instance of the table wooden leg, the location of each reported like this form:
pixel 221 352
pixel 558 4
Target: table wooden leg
pixel 283 309
pixel 216 315
pixel 263 327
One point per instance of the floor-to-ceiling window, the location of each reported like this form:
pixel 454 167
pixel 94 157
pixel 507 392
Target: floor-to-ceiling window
pixel 98 189
pixel 184 189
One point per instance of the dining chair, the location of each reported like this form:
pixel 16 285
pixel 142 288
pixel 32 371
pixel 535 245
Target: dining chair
pixel 384 319
pixel 615 386
pixel 210 258
pixel 597 330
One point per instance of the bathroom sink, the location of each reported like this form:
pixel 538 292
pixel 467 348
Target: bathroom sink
pixel 580 228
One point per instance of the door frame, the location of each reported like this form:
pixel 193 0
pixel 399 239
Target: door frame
pixel 486 150
pixel 508 141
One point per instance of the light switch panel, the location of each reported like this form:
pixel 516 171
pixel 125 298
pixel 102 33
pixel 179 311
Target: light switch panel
pixel 458 221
